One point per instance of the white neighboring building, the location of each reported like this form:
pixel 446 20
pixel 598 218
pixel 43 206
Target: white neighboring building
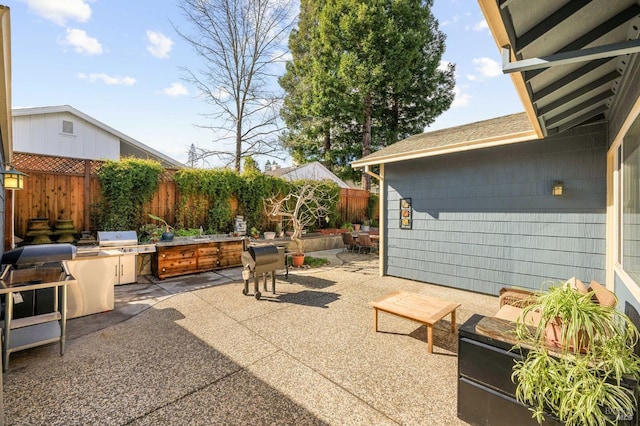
pixel 310 171
pixel 63 131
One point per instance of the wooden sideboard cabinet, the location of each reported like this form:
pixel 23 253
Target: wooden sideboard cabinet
pixel 486 394
pixel 174 259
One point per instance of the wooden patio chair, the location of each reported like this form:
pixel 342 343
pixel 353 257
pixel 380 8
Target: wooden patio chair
pixel 365 243
pixel 349 242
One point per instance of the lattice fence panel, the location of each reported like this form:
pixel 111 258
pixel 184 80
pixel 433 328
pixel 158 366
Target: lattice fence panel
pixel 49 164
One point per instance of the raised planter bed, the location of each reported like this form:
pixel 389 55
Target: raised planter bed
pixel 333 231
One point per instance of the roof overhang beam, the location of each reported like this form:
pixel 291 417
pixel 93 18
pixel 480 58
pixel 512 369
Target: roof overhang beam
pixel 565 58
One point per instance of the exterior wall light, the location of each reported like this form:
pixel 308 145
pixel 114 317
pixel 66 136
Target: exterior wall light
pixel 557 188
pixel 12 178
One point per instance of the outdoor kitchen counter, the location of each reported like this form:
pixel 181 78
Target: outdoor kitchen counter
pixel 183 241
pixel 189 255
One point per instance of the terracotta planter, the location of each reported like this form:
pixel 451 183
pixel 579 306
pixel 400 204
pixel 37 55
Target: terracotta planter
pixel 356 227
pixel 553 335
pixel 297 260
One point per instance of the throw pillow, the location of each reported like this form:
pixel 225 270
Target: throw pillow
pixel 603 296
pixel 577 285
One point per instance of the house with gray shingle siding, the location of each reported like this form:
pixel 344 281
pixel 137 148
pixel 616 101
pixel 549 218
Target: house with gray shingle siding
pixel 482 213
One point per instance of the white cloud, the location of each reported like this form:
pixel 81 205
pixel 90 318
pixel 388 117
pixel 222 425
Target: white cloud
pixel 453 20
pixel 176 89
pixel 159 44
pixel 81 42
pixel 460 99
pixel 59 11
pixel 488 68
pixel 107 79
pixel 480 26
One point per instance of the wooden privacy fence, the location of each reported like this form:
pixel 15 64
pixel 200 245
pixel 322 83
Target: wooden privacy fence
pixel 353 205
pixel 65 188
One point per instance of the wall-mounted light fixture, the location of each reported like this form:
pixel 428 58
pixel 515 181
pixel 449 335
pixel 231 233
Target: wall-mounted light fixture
pixel 557 188
pixel 12 178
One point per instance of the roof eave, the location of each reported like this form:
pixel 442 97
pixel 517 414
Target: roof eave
pixel 449 149
pixel 491 12
pixel 5 85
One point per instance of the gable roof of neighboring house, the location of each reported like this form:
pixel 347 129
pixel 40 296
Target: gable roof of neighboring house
pixel 482 134
pixel 311 171
pixel 128 145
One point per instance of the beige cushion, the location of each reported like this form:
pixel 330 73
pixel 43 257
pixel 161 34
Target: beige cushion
pixel 603 296
pixel 577 285
pixel 511 313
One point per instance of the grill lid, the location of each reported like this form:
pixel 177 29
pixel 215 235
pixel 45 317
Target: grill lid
pixel 41 253
pixel 117 238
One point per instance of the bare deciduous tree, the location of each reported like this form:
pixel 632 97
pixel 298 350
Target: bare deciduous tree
pixel 240 42
pixel 303 206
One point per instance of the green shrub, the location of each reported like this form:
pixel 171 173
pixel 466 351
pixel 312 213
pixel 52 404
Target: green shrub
pixel 126 185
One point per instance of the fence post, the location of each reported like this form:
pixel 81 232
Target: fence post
pixel 87 194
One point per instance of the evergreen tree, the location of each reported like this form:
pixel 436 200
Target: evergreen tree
pixel 364 74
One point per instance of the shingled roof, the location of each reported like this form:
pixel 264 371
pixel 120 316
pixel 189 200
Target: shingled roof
pixel 482 134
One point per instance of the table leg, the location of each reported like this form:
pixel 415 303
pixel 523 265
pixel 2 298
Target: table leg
pixel 430 338
pixel 375 320
pixel 453 321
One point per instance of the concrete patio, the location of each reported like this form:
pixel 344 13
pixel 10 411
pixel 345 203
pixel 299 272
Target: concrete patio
pixel 193 350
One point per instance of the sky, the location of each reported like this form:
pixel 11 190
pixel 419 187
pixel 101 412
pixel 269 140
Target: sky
pixel 121 62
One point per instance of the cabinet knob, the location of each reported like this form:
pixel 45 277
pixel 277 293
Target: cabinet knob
pixel 164 269
pixel 164 255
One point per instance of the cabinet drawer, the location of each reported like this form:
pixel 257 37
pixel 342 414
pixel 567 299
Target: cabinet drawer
pixel 177 253
pixel 480 405
pixel 188 263
pixel 486 364
pixel 235 246
pixel 207 263
pixel 208 250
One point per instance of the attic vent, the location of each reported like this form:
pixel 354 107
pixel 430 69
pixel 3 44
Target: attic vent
pixel 67 127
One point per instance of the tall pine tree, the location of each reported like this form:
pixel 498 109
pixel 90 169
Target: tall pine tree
pixel 365 74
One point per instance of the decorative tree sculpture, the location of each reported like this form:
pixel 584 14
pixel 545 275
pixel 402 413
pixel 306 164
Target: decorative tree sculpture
pixel 307 202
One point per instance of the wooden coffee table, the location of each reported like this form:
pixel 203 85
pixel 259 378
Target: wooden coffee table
pixel 416 307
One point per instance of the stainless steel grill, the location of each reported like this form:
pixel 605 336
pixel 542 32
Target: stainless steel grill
pixel 34 282
pixel 260 260
pixel 126 244
pixel 124 241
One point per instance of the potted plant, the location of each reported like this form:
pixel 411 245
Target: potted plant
pixel 167 235
pixel 255 234
pixel 365 225
pixel 308 201
pixel 348 226
pixel 149 233
pixel 581 373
